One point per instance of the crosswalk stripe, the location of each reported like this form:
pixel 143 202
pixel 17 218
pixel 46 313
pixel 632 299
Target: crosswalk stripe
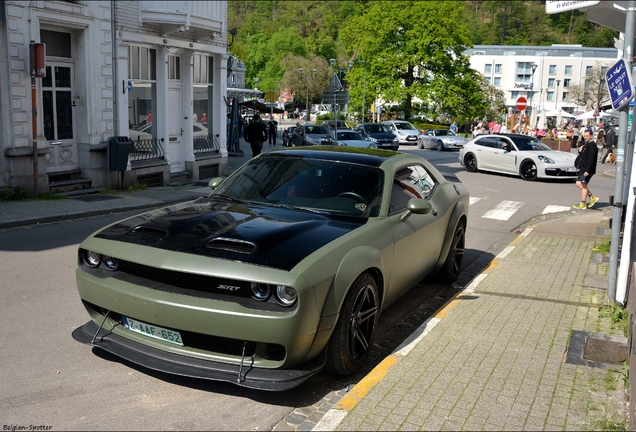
pixel 473 200
pixel 555 209
pixel 504 210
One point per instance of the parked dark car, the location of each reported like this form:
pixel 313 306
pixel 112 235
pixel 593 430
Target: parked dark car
pixel 287 136
pixel 379 134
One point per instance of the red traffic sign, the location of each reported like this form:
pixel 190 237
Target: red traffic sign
pixel 522 103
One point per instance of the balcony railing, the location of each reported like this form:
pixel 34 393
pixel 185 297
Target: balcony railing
pixel 147 149
pixel 206 144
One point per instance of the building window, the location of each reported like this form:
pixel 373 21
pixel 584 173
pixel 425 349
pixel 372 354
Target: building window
pixel 524 72
pixel 204 90
pixel 142 97
pixel 479 52
pixel 487 81
pixel 174 67
pixel 587 96
pixel 566 97
pixel 567 82
pixel 552 69
pixel 549 96
pixel 488 68
pixel 568 70
pixel 550 82
pixel 588 70
pixel 588 84
pixel 603 70
pixel 514 95
pixel 497 68
pixel 497 81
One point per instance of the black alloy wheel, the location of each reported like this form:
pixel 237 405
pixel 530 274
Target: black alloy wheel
pixel 470 162
pixel 528 170
pixel 352 337
pixel 450 270
pixel 440 146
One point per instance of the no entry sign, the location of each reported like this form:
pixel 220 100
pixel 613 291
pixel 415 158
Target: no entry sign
pixel 522 103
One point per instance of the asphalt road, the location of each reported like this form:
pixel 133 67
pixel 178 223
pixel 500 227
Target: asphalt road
pixel 49 379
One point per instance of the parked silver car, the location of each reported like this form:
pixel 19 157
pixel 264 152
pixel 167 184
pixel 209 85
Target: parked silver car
pixel 440 139
pixel 405 132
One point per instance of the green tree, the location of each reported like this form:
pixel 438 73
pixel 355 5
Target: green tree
pixel 413 49
pixel 495 101
pixel 592 91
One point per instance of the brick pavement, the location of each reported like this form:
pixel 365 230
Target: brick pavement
pixel 493 357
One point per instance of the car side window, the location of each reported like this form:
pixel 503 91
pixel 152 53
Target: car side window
pixel 487 142
pixel 412 181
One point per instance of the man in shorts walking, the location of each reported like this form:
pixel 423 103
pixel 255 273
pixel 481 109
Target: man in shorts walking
pixel 587 168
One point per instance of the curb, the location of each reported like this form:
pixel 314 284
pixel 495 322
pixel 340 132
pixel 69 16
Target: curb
pixel 332 418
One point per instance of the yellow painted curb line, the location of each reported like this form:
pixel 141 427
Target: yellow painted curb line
pixel 357 393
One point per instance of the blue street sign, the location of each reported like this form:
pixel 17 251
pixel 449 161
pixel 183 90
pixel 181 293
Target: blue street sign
pixel 619 84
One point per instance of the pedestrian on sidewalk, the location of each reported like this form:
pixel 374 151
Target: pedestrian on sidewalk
pixel 272 133
pixel 588 154
pixel 600 143
pixel 256 135
pixel 610 143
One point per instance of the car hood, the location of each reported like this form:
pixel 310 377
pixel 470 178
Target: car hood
pixel 381 135
pixel 557 156
pixel 454 139
pixel 356 143
pixel 215 227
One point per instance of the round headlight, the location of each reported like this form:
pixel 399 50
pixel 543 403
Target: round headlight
pixel 259 292
pixel 91 259
pixel 110 263
pixel 286 296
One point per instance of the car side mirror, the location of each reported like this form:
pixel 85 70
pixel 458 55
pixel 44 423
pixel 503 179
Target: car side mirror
pixel 215 182
pixel 417 206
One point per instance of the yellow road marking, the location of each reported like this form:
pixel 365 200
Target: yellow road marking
pixel 363 388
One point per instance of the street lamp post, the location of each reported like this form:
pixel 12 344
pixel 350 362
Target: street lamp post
pixel 556 95
pixel 335 106
pixel 534 68
pixel 300 72
pixel 254 100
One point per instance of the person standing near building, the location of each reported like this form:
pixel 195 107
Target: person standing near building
pixel 453 128
pixel 588 154
pixel 610 143
pixel 256 135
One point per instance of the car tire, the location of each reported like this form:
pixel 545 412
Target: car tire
pixel 528 170
pixel 440 146
pixel 352 338
pixel 420 144
pixel 470 162
pixel 450 270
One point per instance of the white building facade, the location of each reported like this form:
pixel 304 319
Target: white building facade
pixel 558 67
pixel 154 71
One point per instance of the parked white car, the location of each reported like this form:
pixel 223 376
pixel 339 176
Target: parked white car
pixel 518 155
pixel 405 132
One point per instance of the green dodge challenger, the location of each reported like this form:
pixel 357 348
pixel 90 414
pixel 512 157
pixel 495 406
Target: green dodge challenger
pixel 280 272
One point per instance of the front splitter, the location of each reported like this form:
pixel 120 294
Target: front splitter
pixel 152 358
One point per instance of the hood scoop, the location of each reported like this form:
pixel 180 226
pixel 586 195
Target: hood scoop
pixel 231 245
pixel 151 232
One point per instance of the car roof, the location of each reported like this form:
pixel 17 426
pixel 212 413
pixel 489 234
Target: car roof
pixel 362 156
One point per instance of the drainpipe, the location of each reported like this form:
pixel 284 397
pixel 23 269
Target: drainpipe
pixel 113 38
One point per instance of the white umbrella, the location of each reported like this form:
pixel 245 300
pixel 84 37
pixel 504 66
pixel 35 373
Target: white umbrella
pixel 556 113
pixel 559 121
pixel 542 120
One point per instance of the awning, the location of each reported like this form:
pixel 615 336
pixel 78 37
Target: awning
pixel 244 90
pixel 260 107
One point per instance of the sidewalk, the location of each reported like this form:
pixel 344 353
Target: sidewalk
pixel 507 352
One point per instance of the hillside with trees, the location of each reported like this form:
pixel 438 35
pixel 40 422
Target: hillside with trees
pixel 399 50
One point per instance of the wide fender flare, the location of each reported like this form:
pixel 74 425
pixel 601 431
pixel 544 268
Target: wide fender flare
pixel 353 264
pixel 458 212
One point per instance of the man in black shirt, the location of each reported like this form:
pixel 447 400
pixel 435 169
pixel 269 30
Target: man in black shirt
pixel 588 154
pixel 610 143
pixel 256 134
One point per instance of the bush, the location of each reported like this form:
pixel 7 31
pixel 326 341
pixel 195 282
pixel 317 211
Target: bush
pixel 14 194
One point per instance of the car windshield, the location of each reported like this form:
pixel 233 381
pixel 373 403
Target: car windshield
pixel 325 186
pixel 377 128
pixel 404 126
pixel 318 130
pixel 444 132
pixel 529 144
pixel 350 135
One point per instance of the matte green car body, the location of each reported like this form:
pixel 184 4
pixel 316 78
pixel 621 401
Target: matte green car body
pixel 397 250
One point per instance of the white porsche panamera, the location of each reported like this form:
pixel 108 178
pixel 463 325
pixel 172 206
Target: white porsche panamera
pixel 519 155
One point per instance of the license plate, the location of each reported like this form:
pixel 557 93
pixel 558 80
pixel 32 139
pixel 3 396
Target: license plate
pixel 411 138
pixel 152 331
pixel 572 169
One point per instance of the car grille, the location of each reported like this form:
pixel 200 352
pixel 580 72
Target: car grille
pixel 188 281
pixel 215 344
pixel 557 172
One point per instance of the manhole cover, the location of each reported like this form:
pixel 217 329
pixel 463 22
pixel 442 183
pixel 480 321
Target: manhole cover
pixel 95 197
pixel 601 349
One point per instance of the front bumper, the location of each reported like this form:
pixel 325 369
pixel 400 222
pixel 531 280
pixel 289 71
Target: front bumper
pixel 408 139
pixel 560 172
pixel 244 374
